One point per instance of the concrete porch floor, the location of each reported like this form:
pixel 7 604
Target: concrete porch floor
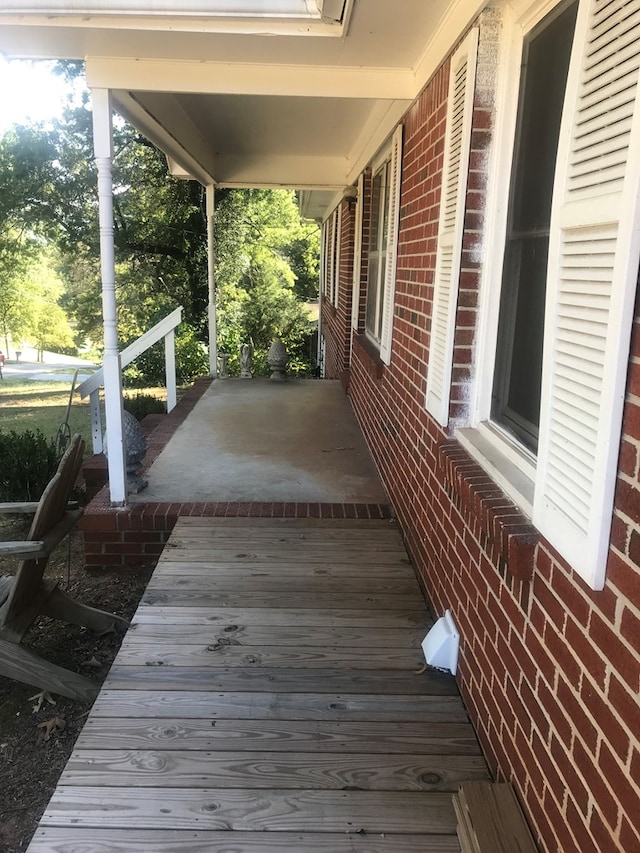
pixel 255 440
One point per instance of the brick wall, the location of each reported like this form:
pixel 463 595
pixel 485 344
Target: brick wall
pixel 336 319
pixel 550 669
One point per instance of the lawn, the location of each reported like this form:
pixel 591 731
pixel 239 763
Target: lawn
pixel 33 404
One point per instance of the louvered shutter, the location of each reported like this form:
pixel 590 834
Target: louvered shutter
pixel 324 258
pixel 592 274
pixel 452 205
pixel 394 180
pixel 337 248
pixel 330 267
pixel 357 256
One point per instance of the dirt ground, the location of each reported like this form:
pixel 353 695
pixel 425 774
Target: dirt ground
pixel 35 743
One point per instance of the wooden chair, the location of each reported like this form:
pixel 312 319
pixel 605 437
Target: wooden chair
pixel 29 594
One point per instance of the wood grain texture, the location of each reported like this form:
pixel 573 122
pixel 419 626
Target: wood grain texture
pixel 185 597
pixel 328 618
pixel 216 654
pixel 258 811
pixel 266 699
pixel 329 771
pixel 163 704
pixel 101 840
pixel 245 636
pixel 279 736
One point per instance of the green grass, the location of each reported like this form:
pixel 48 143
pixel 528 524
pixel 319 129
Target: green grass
pixel 31 405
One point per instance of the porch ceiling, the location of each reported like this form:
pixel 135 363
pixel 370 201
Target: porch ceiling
pixel 252 103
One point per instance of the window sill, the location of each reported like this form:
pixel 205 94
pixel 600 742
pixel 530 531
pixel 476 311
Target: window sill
pixel 369 356
pixel 504 530
pixel 511 470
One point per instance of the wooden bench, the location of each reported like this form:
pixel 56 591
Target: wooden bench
pixel 29 594
pixel 490 819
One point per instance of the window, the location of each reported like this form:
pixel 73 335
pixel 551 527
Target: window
pixel 377 251
pixel 383 231
pixel 331 256
pixel 549 410
pixel 518 366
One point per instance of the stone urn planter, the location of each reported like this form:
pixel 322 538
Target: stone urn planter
pixel 277 358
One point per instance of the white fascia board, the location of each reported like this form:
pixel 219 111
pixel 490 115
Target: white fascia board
pixel 238 78
pixel 455 22
pixel 300 172
pixel 196 23
pixel 136 115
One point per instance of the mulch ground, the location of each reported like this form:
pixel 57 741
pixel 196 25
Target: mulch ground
pixel 35 743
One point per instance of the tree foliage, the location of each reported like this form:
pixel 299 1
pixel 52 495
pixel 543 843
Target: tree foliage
pixel 266 257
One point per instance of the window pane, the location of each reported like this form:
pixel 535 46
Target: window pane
pixel 376 197
pixel 372 295
pixel 518 369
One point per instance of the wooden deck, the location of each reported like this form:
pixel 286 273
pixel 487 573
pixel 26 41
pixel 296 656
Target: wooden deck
pixel 265 699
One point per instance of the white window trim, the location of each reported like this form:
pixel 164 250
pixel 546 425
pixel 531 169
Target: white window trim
pixel 514 470
pixel 510 464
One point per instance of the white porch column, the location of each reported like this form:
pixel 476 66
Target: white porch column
pixel 103 148
pixel 211 276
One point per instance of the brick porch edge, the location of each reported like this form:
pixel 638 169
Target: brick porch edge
pixel 116 538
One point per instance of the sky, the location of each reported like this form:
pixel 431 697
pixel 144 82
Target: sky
pixel 29 91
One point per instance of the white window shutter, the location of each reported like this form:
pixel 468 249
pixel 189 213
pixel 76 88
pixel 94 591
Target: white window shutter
pixel 452 205
pixel 592 275
pixel 324 258
pixel 395 178
pixel 330 266
pixel 357 255
pixel 337 249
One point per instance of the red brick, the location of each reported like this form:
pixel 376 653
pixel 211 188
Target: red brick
pixel 624 702
pixel 98 522
pixel 630 833
pixel 577 823
pixel 605 801
pixel 625 791
pixel 622 659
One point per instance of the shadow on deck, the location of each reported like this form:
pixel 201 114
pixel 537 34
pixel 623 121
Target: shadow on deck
pixel 266 698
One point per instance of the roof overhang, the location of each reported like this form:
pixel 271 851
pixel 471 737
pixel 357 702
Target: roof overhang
pixel 251 93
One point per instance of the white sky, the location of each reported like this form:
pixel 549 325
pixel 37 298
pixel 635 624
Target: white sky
pixel 29 91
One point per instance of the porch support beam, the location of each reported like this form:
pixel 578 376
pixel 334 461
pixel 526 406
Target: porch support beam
pixel 249 78
pixel 211 277
pixel 103 149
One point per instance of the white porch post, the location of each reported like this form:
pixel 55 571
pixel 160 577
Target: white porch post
pixel 103 149
pixel 211 276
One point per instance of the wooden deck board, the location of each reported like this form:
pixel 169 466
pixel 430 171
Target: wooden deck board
pixel 54 840
pixel 266 698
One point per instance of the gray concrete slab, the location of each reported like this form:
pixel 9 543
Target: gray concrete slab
pixel 255 440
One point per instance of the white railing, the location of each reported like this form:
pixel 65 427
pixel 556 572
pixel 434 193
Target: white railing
pixel 91 386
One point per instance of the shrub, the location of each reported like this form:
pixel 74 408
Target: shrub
pixel 28 461
pixel 144 404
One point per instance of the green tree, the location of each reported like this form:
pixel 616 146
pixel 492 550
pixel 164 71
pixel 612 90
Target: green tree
pixel 265 255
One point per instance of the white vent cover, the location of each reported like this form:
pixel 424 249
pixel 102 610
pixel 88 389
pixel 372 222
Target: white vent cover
pixel 441 644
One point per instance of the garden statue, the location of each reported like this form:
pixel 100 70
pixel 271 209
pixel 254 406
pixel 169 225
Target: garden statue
pixel 224 364
pixel 277 358
pixel 135 447
pixel 246 360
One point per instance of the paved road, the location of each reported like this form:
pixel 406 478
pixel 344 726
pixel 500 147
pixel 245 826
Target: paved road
pixel 54 367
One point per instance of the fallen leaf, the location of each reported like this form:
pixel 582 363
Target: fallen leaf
pixel 94 662
pixel 55 724
pixel 40 699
